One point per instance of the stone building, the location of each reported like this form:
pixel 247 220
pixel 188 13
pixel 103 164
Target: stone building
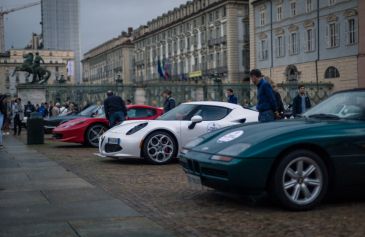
pixel 307 41
pixel 59 63
pixel 202 40
pixel 110 62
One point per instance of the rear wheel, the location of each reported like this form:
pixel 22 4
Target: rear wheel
pixel 300 181
pixel 159 148
pixel 93 134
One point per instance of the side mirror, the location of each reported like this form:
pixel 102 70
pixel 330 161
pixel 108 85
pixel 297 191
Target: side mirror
pixel 194 120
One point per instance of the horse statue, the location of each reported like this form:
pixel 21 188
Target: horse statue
pixel 32 66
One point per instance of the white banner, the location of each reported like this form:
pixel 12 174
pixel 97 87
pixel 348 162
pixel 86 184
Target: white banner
pixel 70 68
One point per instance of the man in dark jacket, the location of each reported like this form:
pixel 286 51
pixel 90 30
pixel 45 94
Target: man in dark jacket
pixel 28 109
pixel 115 109
pixel 231 98
pixel 301 102
pixel 266 102
pixel 170 102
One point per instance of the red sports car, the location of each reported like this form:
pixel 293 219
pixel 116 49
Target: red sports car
pixel 88 130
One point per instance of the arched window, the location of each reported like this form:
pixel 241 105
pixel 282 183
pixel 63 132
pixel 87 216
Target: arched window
pixel 331 72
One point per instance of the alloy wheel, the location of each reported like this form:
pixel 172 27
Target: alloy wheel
pixel 160 148
pixel 95 133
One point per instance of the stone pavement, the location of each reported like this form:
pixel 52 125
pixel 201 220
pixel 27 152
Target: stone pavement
pixel 38 197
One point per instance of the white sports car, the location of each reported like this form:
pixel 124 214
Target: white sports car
pixel 159 140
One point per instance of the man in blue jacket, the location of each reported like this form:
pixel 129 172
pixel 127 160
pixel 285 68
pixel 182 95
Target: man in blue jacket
pixel 266 102
pixel 115 109
pixel 231 98
pixel 301 102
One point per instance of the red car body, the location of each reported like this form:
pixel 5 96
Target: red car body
pixel 76 130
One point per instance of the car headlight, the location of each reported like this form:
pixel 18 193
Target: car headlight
pixel 136 128
pixel 235 149
pixel 193 143
pixel 73 124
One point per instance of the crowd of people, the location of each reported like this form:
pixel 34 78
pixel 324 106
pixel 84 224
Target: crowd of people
pixel 269 105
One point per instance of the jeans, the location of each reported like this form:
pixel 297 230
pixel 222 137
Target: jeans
pixel 116 118
pixel 266 116
pixel 17 125
pixel 1 128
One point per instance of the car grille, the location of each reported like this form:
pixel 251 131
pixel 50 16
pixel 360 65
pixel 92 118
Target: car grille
pixel 194 167
pixel 109 148
pixel 57 136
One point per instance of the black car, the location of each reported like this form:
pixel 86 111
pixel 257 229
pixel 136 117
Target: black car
pixel 53 122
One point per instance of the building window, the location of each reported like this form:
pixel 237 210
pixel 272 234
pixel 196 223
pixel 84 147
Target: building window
pixel 217 14
pixel 331 72
pixel 224 12
pixel 331 2
pixel 280 47
pixel 211 17
pixel 309 43
pixel 263 50
pixel 279 13
pixel 333 38
pixel 203 20
pixel 293 43
pixel 293 8
pixel 308 6
pixel 262 18
pixel 351 32
pixel 224 27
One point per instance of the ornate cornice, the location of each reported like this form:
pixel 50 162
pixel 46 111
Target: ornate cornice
pixel 350 13
pixel 279 31
pixel 293 28
pixel 262 35
pixel 332 18
pixel 308 24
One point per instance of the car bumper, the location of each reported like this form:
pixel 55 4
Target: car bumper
pixel 69 135
pixel 127 147
pixel 246 175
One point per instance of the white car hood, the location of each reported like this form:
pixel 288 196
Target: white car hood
pixel 126 125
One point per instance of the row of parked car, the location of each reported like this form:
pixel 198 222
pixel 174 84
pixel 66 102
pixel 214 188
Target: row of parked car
pixel 221 146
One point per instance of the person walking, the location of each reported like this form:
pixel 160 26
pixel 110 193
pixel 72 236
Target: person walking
pixel 301 103
pixel 18 115
pixel 56 109
pixel 169 102
pixel 115 109
pixel 266 102
pixel 279 101
pixel 231 98
pixel 2 118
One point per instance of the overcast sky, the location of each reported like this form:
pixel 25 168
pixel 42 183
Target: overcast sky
pixel 101 20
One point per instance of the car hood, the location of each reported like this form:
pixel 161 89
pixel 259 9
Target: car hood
pixel 127 125
pixel 256 133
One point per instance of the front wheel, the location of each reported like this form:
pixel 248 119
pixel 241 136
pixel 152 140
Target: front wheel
pixel 93 134
pixel 300 180
pixel 159 148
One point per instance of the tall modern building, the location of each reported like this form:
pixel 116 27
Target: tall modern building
pixel 60 28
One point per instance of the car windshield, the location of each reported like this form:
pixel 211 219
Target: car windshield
pixel 344 105
pixel 89 110
pixel 181 112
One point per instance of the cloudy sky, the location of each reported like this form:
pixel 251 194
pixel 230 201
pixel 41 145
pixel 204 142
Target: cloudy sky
pixel 101 20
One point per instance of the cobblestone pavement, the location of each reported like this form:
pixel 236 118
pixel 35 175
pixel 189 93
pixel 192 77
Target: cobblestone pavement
pixel 162 194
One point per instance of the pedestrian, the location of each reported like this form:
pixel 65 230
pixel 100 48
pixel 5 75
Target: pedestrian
pixel 279 101
pixel 50 109
pixel 231 98
pixel 169 102
pixel 18 116
pixel 2 118
pixel 115 109
pixel 301 103
pixel 42 110
pixel 56 109
pixel 28 109
pixel 266 102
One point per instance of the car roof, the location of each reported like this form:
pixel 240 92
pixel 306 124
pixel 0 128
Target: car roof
pixel 350 90
pixel 215 103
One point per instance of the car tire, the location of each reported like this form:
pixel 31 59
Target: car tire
pixel 160 148
pixel 93 134
pixel 300 181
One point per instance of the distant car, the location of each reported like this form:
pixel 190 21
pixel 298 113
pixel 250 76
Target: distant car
pixel 297 161
pixel 52 122
pixel 88 130
pixel 159 141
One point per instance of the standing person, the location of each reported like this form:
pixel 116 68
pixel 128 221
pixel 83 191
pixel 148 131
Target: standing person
pixel 50 109
pixel 56 109
pixel 231 98
pixel 301 102
pixel 278 99
pixel 115 109
pixel 2 118
pixel 266 102
pixel 42 110
pixel 169 102
pixel 18 116
pixel 28 109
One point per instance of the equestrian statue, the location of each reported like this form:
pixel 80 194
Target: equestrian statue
pixel 32 65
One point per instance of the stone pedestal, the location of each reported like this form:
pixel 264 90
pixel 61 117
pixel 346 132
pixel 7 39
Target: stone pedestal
pixel 33 93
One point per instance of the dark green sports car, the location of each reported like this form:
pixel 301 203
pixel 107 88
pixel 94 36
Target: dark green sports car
pixel 296 161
